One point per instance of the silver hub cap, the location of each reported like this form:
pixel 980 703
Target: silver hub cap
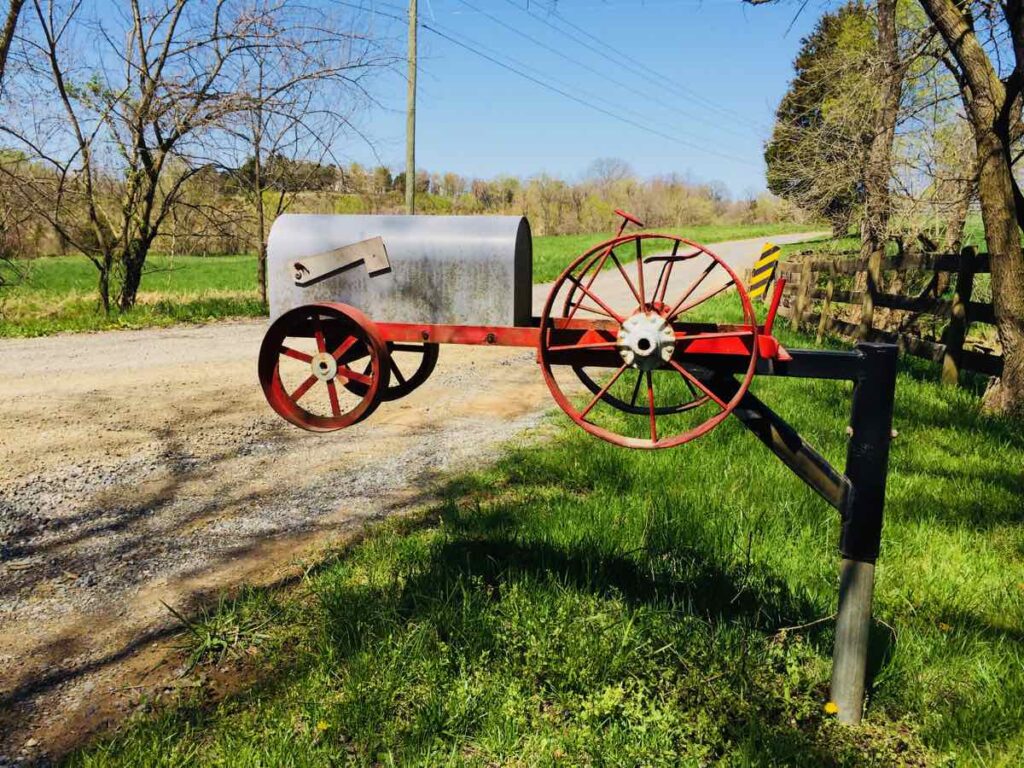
pixel 646 341
pixel 324 366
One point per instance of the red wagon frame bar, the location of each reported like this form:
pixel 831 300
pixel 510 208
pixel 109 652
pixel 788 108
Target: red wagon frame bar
pixel 696 338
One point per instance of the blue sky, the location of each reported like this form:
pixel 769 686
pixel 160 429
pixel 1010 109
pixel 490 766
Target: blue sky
pixel 708 73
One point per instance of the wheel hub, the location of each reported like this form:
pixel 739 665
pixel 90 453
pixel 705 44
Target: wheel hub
pixel 646 341
pixel 324 366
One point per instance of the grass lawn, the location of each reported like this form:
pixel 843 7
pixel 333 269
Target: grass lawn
pixel 552 254
pixel 579 604
pixel 58 294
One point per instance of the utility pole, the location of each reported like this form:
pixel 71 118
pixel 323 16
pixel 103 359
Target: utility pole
pixel 410 120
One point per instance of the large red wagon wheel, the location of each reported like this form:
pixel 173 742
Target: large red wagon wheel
pixel 308 357
pixel 646 389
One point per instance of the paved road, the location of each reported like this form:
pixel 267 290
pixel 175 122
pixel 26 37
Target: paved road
pixel 145 466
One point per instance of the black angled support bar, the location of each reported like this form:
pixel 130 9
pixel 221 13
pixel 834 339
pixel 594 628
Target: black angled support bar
pixel 859 495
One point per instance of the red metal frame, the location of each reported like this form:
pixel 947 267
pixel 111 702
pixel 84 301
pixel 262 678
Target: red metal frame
pixel 697 337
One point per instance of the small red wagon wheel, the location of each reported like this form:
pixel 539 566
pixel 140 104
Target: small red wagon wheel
pixel 630 334
pixel 306 361
pixel 411 365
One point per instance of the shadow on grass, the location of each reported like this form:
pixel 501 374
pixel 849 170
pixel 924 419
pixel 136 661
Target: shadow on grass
pixel 682 598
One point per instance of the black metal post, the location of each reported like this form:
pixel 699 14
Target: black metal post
pixel 867 464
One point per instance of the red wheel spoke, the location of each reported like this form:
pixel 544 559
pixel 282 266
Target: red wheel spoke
pixel 600 265
pixel 599 395
pixel 700 300
pixel 687 338
pixel 698 383
pixel 597 300
pixel 303 388
pixel 625 276
pixel 689 291
pixel 650 400
pixel 665 276
pixel 640 273
pixel 296 354
pixel 348 373
pixel 344 347
pixel 595 310
pixel 332 393
pixel 595 345
pixel 318 331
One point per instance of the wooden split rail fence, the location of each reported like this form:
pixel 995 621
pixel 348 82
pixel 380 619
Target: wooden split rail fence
pixel 815 285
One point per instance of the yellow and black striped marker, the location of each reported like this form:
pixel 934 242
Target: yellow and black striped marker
pixel 764 271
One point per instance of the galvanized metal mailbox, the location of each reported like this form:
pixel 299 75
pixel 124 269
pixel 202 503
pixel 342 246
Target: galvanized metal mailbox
pixel 454 270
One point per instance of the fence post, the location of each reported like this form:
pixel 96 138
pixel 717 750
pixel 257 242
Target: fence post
pixel 803 295
pixel 873 284
pixel 959 321
pixel 827 306
pixel 867 463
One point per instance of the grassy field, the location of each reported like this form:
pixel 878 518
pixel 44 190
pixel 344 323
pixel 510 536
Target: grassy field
pixel 578 604
pixel 59 294
pixel 552 254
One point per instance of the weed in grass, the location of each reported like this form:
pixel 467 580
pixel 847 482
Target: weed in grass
pixel 231 628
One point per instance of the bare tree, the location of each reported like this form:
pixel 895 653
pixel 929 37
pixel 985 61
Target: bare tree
pixel 305 89
pixel 126 109
pixel 608 171
pixel 131 108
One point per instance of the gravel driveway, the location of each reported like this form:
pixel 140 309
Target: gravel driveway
pixel 142 467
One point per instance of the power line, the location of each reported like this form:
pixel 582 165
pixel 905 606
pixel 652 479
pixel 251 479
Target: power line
pixel 590 105
pixel 517 62
pixel 555 89
pixel 626 62
pixel 653 72
pixel 599 73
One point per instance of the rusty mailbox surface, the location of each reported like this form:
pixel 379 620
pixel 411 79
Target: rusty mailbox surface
pixel 443 269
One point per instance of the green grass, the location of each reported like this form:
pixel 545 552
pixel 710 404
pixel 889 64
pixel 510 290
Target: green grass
pixel 552 254
pixel 58 294
pixel 579 604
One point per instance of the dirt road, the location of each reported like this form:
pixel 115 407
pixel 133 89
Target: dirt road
pixel 143 467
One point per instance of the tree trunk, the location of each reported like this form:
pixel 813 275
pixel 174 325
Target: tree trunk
pixel 878 165
pixel 985 97
pixel 104 288
pixel 132 261
pixel 840 221
pixel 995 192
pixel 7 34
pixel 261 271
pixel 261 226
